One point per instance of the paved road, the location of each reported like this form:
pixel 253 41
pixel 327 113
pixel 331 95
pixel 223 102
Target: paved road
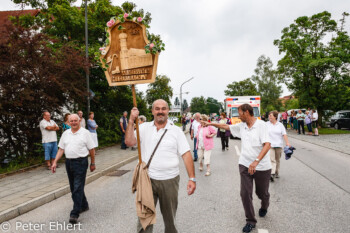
pixel 312 195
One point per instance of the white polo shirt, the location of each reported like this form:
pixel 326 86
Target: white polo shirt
pixel 76 145
pixel 195 125
pixel 276 132
pixel 165 162
pixel 48 135
pixel 252 141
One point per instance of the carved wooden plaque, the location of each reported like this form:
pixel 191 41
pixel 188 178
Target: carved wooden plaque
pixel 125 55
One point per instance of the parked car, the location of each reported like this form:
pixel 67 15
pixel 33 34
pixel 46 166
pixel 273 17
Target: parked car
pixel 341 119
pixel 173 119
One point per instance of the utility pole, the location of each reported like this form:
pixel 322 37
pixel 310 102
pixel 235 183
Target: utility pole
pixel 87 59
pixel 181 93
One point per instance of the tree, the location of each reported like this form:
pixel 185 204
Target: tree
pixel 213 105
pixel 291 104
pixel 241 88
pixel 199 104
pixel 35 75
pixel 184 105
pixel 160 89
pixel 177 101
pixel 65 22
pixel 266 80
pixel 316 60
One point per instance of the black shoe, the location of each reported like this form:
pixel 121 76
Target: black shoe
pixel 85 209
pixel 73 220
pixel 195 160
pixel 123 148
pixel 272 179
pixel 262 212
pixel 248 227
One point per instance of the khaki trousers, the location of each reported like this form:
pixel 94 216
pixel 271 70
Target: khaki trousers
pixel 275 155
pixel 202 153
pixel 167 192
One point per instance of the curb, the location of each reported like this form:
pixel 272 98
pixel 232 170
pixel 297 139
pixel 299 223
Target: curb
pixel 292 136
pixel 50 196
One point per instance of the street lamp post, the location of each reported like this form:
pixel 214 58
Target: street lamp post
pixel 181 94
pixel 87 59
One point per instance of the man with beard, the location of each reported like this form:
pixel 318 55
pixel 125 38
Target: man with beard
pixel 253 164
pixel 164 168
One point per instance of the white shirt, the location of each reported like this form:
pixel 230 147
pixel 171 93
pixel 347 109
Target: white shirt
pixel 76 145
pixel 48 135
pixel 195 125
pixel 252 141
pixel 314 116
pixel 83 123
pixel 276 132
pixel 165 162
pixel 200 139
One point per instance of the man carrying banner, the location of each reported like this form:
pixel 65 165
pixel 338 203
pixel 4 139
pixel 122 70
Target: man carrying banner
pixel 164 167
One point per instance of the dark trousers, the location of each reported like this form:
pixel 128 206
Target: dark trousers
pixel 262 182
pixel 285 123
pixel 301 124
pixel 183 126
pixel 195 154
pixel 224 140
pixel 123 146
pixel 167 192
pixel 76 171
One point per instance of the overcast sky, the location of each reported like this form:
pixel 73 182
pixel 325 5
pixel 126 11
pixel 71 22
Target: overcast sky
pixel 218 42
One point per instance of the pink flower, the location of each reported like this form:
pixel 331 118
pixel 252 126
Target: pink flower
pixel 139 19
pixel 110 23
pixel 102 48
pixel 151 45
pixel 126 15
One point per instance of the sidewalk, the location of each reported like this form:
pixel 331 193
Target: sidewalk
pixel 26 191
pixel 337 142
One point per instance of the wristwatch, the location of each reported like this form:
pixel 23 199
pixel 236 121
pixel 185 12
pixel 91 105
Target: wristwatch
pixel 193 179
pixel 258 160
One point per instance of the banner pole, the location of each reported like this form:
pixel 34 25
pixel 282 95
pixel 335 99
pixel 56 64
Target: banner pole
pixel 137 123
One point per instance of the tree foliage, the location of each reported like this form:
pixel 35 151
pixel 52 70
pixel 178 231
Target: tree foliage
pixel 34 75
pixel 160 89
pixel 266 80
pixel 177 101
pixel 184 105
pixel 241 88
pixel 316 60
pixel 199 104
pixel 214 106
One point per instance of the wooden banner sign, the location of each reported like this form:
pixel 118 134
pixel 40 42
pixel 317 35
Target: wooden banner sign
pixel 125 58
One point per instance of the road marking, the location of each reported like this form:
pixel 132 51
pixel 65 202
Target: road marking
pixel 263 231
pixel 237 151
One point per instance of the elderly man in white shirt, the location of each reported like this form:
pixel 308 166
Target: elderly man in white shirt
pixel 254 162
pixel 195 125
pixel 164 167
pixel 48 130
pixel 82 119
pixel 76 143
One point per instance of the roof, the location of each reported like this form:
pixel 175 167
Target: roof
pixel 4 17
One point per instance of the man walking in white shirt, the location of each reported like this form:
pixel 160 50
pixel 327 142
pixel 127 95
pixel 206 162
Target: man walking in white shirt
pixel 195 124
pixel 76 143
pixel 164 167
pixel 254 162
pixel 48 130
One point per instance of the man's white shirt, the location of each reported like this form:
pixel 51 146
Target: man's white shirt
pixel 195 125
pixel 48 135
pixel 252 141
pixel 76 145
pixel 165 162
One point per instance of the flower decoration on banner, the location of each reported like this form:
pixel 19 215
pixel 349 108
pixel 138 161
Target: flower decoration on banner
pixel 156 45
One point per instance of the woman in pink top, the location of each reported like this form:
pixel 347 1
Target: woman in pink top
pixel 205 143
